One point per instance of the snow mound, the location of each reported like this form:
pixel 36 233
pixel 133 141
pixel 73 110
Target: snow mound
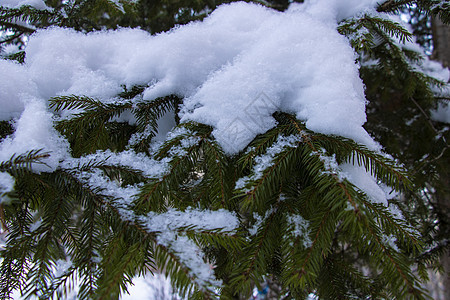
pixel 38 4
pixel 234 70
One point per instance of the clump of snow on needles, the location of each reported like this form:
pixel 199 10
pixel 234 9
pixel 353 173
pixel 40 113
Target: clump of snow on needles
pixel 167 224
pixel 262 162
pixel 219 66
pixel 365 181
pixel 38 4
pixel 33 131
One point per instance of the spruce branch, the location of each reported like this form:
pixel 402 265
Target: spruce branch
pixel 159 193
pixel 392 5
pixel 260 190
pixel 252 266
pixel 392 225
pixel 217 174
pixel 308 262
pixel 19 165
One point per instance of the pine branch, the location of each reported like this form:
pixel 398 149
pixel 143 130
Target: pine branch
pixel 400 269
pixel 16 262
pixel 377 165
pixel 178 273
pixel 217 239
pixel 256 193
pixel 216 175
pixel 340 279
pixel 392 5
pixel 258 147
pixel 18 164
pixel 122 174
pixel 147 114
pixel 92 129
pixel 302 266
pixel 159 193
pixel 119 267
pixel 56 210
pixel 252 265
pixel 394 226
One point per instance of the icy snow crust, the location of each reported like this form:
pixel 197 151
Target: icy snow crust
pixel 221 66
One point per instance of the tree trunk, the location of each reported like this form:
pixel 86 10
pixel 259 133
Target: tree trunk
pixel 441 42
pixel 441 53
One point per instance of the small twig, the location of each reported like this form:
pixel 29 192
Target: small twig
pixel 2 218
pixel 390 5
pixel 435 130
pixel 72 9
pixel 18 27
pixel 441 154
pixel 427 118
pixel 11 38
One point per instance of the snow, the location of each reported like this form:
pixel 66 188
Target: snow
pixel 136 161
pixel 330 164
pixel 151 287
pixel 442 113
pixel 337 10
pixel 262 162
pixel 300 228
pixel 38 4
pixel 200 219
pixel 62 266
pixel 14 84
pixel 96 179
pixel 259 220
pixel 435 70
pixel 221 66
pixel 34 226
pixel 169 226
pixel 311 73
pixel 365 182
pixel 34 130
pixel 390 241
pixel 6 183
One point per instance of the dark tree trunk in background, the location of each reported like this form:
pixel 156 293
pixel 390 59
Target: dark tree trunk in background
pixel 441 53
pixel 441 41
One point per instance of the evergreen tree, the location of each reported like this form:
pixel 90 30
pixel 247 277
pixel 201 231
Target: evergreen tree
pixel 290 215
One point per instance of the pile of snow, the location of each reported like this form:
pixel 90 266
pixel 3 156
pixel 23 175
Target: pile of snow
pixel 38 4
pixel 34 130
pixel 234 70
pixel 151 287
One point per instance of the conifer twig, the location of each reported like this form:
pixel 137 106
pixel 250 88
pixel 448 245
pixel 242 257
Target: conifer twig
pixel 12 38
pixel 425 115
pixel 2 218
